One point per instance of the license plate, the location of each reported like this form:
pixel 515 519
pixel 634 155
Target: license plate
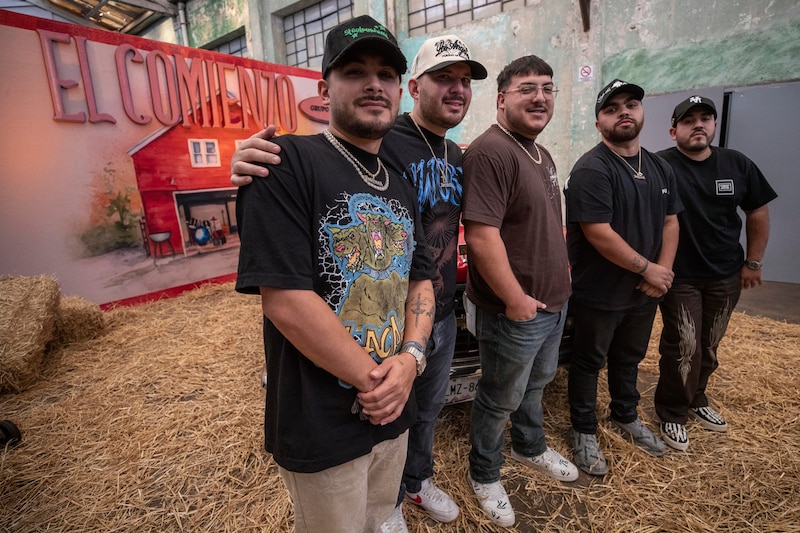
pixel 462 389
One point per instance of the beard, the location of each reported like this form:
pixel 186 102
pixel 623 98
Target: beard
pixel 697 144
pixel 618 135
pixel 370 128
pixel 431 110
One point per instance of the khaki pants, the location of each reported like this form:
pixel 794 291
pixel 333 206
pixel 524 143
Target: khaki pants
pixel 357 496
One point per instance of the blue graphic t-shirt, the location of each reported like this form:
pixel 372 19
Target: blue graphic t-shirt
pixel 439 199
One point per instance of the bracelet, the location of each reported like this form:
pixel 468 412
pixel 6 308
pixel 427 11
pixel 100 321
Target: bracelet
pixel 646 264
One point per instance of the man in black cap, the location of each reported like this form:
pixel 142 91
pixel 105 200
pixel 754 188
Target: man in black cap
pixel 441 85
pixel 711 267
pixel 622 233
pixel 333 243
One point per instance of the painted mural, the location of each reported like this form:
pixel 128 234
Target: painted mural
pixel 116 155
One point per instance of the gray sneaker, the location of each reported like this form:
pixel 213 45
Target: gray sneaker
pixel 642 437
pixel 586 453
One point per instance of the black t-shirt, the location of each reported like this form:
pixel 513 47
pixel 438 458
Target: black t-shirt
pixel 315 225
pixel 711 190
pixel 601 189
pixel 405 151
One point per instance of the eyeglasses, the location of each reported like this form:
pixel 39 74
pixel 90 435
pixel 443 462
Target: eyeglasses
pixel 548 91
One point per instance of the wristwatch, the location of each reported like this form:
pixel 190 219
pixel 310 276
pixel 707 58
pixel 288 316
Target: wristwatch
pixel 752 265
pixel 417 350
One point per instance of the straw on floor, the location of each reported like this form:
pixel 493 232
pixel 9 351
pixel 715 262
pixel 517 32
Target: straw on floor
pixel 156 425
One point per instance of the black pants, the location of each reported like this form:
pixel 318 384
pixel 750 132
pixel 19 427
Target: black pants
pixel 621 339
pixel 695 319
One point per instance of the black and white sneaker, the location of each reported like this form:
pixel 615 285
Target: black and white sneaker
pixel 674 435
pixel 709 418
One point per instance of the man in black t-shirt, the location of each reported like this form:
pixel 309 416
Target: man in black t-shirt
pixel 711 267
pixel 333 243
pixel 622 232
pixel 416 147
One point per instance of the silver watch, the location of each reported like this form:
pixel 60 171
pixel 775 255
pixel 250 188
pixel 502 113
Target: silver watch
pixel 417 350
pixel 753 265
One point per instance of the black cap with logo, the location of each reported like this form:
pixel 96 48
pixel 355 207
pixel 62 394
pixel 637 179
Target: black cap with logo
pixel 362 31
pixel 682 109
pixel 614 88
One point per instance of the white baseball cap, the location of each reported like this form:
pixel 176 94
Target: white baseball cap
pixel 439 52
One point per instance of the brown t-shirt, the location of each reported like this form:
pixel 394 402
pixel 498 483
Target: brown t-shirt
pixel 505 188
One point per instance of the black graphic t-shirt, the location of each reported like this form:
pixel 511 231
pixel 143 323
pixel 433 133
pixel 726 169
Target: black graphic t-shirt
pixel 405 151
pixel 315 225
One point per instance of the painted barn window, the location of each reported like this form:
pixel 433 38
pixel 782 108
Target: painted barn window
pixel 425 16
pixel 204 152
pixel 304 31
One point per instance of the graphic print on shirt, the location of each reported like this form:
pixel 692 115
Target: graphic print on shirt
pixel 369 243
pixel 441 209
pixel 551 185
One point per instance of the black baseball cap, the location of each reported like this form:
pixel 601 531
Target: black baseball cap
pixel 362 31
pixel 682 109
pixel 614 88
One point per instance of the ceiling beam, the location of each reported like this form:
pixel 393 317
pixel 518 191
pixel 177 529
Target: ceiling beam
pixel 159 6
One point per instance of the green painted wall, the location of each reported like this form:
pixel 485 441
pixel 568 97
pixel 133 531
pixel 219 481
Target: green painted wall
pixel 210 20
pixel 163 31
pixel 744 59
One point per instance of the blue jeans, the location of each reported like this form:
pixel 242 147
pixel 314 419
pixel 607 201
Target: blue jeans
pixel 518 359
pixel 618 337
pixel 430 390
pixel 695 319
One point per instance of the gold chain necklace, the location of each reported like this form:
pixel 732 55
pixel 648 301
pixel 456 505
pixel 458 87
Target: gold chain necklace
pixel 538 153
pixel 366 176
pixel 637 174
pixel 445 181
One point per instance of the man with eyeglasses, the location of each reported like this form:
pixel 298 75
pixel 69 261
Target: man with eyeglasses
pixel 622 233
pixel 518 283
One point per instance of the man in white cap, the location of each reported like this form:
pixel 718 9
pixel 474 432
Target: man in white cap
pixel 416 147
pixel 711 267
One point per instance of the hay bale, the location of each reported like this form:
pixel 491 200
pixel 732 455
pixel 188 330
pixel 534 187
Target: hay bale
pixel 28 311
pixel 78 320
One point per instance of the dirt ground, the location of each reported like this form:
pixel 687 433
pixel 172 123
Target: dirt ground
pixel 157 427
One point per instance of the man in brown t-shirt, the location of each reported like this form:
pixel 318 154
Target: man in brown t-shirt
pixel 518 281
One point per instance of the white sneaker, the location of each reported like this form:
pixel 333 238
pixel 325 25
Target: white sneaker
pixel 435 501
pixel 551 463
pixel 494 502
pixel 396 523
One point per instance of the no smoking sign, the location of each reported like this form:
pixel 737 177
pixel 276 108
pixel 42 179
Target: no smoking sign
pixel 585 73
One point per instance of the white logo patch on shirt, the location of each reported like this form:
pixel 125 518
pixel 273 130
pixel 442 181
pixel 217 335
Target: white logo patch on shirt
pixel 724 187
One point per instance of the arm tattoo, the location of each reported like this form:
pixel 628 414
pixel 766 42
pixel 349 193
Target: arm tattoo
pixel 421 307
pixel 638 263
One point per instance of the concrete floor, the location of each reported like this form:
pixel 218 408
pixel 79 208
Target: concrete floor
pixel 779 301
